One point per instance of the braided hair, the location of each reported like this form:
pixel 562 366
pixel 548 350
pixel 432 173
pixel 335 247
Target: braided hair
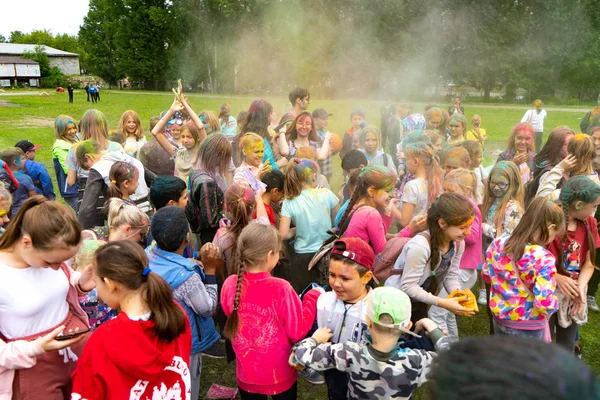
pixel 578 188
pixel 253 246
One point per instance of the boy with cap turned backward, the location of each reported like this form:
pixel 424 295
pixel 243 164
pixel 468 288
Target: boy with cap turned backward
pixel 379 369
pixel 36 171
pixel 321 118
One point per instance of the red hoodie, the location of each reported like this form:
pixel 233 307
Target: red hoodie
pixel 124 360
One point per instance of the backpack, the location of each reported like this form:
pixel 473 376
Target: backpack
pixel 383 267
pixel 321 257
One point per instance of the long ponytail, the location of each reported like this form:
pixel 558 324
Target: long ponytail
pixel 435 175
pixel 125 262
pixel 50 225
pixel 298 172
pixel 254 244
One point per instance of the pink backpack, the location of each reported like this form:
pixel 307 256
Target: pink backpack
pixel 383 267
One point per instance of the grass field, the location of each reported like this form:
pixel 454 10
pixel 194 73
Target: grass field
pixel 31 117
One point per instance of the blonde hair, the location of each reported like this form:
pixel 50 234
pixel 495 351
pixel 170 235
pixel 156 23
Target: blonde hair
pixel 139 132
pixel 86 253
pixel 435 175
pixel 465 179
pixel 212 120
pixel 583 148
pixel 249 139
pixel 121 213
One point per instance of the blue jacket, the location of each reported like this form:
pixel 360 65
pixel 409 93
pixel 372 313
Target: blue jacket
pixel 65 190
pixel 175 270
pixel 42 181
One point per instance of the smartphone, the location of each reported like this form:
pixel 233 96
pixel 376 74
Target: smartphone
pixel 72 335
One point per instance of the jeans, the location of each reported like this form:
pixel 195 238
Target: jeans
pixel 502 330
pixel 444 319
pixel 290 394
pixel 195 372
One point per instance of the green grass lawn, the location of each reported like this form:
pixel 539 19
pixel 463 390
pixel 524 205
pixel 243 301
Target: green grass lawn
pixel 33 120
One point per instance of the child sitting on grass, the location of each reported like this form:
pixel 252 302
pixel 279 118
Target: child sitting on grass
pixel 380 369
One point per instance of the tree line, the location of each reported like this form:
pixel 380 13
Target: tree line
pixel 384 48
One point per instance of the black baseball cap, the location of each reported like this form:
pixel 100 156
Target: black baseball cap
pixel 26 146
pixel 320 113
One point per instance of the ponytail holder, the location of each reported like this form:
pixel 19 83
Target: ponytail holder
pixel 113 182
pixel 145 272
pixel 296 160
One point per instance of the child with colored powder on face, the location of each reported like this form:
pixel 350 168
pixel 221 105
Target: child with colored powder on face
pixel 370 143
pixel 502 209
pixel 357 117
pixel 464 182
pixel 15 160
pixel 252 169
pixel 65 134
pixel 520 150
pixel 582 151
pixel 311 210
pixel 310 153
pixel 457 126
pixel 455 157
pixel 575 255
pixel 97 311
pixel 419 193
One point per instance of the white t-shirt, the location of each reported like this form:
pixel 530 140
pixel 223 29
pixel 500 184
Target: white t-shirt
pixel 32 300
pixel 311 213
pixel 415 192
pixel 535 119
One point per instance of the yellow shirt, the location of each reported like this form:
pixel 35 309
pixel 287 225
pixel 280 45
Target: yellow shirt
pixel 472 135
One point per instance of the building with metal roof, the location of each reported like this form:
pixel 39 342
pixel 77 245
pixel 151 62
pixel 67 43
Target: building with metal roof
pixel 67 62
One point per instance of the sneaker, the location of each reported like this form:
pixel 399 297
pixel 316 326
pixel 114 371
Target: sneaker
pixel 312 376
pixel 482 298
pixel 578 352
pixel 216 351
pixel 592 305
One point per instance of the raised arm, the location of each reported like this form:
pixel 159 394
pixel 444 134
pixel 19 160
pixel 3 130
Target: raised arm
pixel 158 130
pixel 325 149
pixel 284 148
pixel 194 117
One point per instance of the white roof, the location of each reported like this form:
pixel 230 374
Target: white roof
pixel 18 49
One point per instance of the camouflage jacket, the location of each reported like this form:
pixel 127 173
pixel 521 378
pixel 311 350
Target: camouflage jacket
pixel 373 374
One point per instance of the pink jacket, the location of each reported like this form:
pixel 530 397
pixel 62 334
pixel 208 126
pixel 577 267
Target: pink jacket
pixel 473 257
pixel 15 355
pixel 271 319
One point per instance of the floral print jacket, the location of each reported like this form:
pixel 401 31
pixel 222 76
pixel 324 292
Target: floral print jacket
pixel 529 296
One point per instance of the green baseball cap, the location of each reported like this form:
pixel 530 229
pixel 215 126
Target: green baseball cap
pixel 393 302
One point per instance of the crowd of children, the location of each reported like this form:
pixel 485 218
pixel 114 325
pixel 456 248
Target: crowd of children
pixel 235 245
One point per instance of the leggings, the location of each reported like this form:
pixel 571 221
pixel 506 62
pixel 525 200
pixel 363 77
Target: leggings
pixel 563 336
